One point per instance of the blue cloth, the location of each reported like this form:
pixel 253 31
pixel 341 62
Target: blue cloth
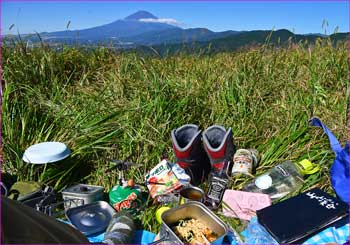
pixel 257 234
pixel 140 237
pixel 340 170
pixel 143 237
pixel 232 239
pixel 331 235
pixel 254 234
pixel 96 237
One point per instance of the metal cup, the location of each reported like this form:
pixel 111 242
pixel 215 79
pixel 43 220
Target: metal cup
pixel 191 193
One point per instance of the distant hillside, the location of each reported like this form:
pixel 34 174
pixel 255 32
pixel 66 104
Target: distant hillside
pixel 177 35
pixel 243 39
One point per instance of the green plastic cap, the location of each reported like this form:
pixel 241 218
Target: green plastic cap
pixel 306 167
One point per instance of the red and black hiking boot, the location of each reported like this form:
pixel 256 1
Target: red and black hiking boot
pixel 189 152
pixel 218 143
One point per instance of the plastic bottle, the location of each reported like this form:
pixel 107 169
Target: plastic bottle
pixel 120 230
pixel 282 179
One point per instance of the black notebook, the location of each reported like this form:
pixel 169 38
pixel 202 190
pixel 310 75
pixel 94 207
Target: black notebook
pixel 299 217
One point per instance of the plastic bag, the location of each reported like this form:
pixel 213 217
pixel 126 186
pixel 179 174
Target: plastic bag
pixel 340 170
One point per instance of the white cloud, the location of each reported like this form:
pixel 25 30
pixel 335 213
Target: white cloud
pixel 164 21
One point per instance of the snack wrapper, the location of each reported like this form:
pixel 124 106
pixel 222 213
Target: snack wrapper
pixel 161 180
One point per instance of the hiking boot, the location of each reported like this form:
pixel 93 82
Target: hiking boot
pixel 189 152
pixel 218 143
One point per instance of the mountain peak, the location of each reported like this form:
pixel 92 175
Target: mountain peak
pixel 141 15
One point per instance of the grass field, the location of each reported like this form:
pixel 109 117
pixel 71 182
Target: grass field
pixel 123 106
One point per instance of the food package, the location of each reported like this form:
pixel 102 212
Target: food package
pixel 162 180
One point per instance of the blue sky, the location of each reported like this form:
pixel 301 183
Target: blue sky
pixel 300 16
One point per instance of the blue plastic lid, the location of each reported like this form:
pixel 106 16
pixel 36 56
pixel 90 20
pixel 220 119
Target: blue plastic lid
pixel 46 152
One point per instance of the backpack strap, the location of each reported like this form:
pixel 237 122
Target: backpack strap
pixel 335 145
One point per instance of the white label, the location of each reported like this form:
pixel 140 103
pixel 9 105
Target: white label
pixel 323 201
pixel 217 188
pixel 263 182
pixel 242 164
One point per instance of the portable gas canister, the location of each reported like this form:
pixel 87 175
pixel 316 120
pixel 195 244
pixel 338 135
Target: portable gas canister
pixel 126 198
pixel 126 195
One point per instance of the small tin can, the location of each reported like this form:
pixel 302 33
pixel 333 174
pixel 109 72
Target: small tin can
pixel 191 193
pixel 244 161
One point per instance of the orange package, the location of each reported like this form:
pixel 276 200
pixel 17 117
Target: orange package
pixel 161 180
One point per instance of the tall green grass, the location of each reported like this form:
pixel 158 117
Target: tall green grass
pixel 123 106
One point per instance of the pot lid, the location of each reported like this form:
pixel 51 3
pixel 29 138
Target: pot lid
pixel 91 218
pixel 46 152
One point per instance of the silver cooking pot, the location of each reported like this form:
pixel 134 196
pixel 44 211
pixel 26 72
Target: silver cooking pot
pixel 194 210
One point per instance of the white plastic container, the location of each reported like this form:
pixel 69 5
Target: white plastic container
pixel 46 152
pixel 81 194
